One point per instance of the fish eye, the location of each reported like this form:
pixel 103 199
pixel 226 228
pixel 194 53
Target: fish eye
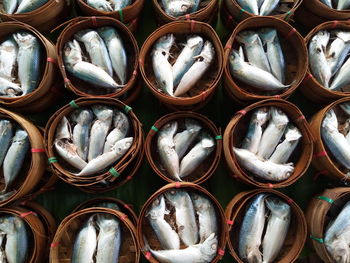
pixel 318 50
pixel 163 53
pixel 172 192
pixel 214 246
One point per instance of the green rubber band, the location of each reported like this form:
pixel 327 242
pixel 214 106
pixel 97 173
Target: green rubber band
pixel 241 11
pixel 121 15
pixel 114 172
pixel 320 240
pixel 154 128
pixel 73 104
pixel 218 137
pixel 289 13
pixel 52 160
pixel 327 199
pixel 127 108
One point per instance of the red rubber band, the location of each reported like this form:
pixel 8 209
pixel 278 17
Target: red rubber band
pixel 51 60
pixel 228 46
pixel 66 80
pixel 221 252
pixel 23 215
pixel 270 185
pixel 300 118
pixel 177 185
pixel 334 24
pixel 307 77
pixel 229 18
pixel 192 25
pixel 55 244
pixel 123 217
pixel 277 96
pixel 148 255
pixel 243 112
pixel 229 222
pixel 94 21
pixel 141 62
pixel 289 201
pixel 34 150
pixel 187 16
pixel 128 177
pixel 291 33
pixel 23 202
pixel 134 73
pixel 320 154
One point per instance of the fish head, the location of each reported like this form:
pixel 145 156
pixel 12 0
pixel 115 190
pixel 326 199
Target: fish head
pixel 343 35
pixel 195 42
pixel 176 197
pixel 321 38
pixel 292 133
pixel 330 120
pixel 72 53
pixel 247 37
pixel 24 38
pixel 261 115
pixel 169 129
pixel 20 136
pixel 278 208
pixel 64 129
pixel 345 106
pixel 165 42
pixel 85 117
pixel 339 250
pixel 122 145
pixel 236 60
pixel 200 202
pixel 5 126
pixel 107 222
pixel 207 140
pixel 109 205
pixel 120 120
pixel 86 35
pixel 13 90
pixel 102 112
pixel 108 32
pixel 286 170
pixel 207 53
pixel 178 8
pixel 268 34
pixel 279 117
pixel 7 224
pixel 157 209
pixel 192 125
pixel 102 5
pixel 210 246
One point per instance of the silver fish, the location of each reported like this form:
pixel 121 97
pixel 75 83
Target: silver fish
pixel 161 66
pixel 264 169
pixel 166 148
pixel 197 154
pixel 251 230
pixel 341 80
pixel 8 57
pixel 102 5
pixel 120 4
pixel 275 55
pixel 7 88
pixel 185 215
pixel 273 133
pixel 317 58
pixel 15 157
pixel 250 5
pixel 327 3
pixel 178 7
pixel 197 70
pixel 73 61
pixel 167 236
pixel 205 210
pixel 253 76
pixel 338 51
pixel 26 6
pixel 345 106
pixel 63 130
pixel 28 60
pixel 268 6
pixel 9 6
pixel 285 149
pixel 99 130
pixel 277 228
pixel 2 251
pixel 121 128
pixel 109 239
pixel 68 152
pixel 343 4
pixel 116 51
pixel 6 134
pixel 252 139
pixel 96 48
pixel 335 141
pixel 254 50
pixel 104 160
pixel 184 139
pixel 85 243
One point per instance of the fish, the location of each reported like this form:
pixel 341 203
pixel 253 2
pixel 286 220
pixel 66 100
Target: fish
pixel 8 58
pixel 64 129
pixel 203 253
pixel 337 236
pixel 251 230
pixel 166 148
pixel 268 6
pixel 185 216
pixel 81 131
pixel 250 6
pixel 161 66
pixel 116 51
pixel 7 88
pixel 73 61
pixel 99 130
pixel 327 3
pixel 338 50
pixel 184 139
pixel 207 219
pixel 197 154
pixel 341 80
pixel 285 149
pixel 102 5
pixel 96 48
pixel 254 49
pixel 317 58
pixel 68 152
pixel 120 4
pixel 107 204
pixel 334 140
pixel 9 7
pixel 197 70
pixel 345 106
pixel 252 139
pixel 266 170
pixel 104 160
pixel 2 251
pixel 273 132
pixel 178 7
pixel 277 228
pixel 269 37
pixel 26 6
pixel 109 239
pixel 121 128
pixel 343 4
pixel 28 60
pixel 187 56
pixel 15 157
pixel 167 236
pixel 6 134
pixel 254 76
pixel 85 243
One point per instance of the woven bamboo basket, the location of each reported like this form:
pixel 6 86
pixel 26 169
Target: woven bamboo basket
pixel 119 173
pixel 207 12
pixel 205 170
pixel 297 232
pixel 46 92
pixel 237 128
pixel 307 18
pixel 295 54
pixel 35 163
pixel 145 229
pixel 310 87
pixel 200 94
pixel 62 244
pixel 124 208
pixel 84 89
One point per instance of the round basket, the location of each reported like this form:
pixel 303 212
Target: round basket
pixel 237 128
pixel 323 11
pixel 206 169
pixel 205 88
pixel 297 232
pixel 46 92
pixel 145 229
pixel 294 50
pixel 118 174
pixel 84 89
pixel 310 87
pixel 207 12
pixel 307 18
pixel 62 244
